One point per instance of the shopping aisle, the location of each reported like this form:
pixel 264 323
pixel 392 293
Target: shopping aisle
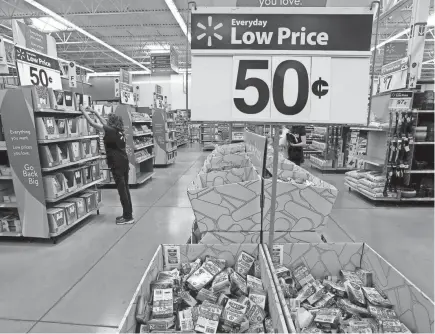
pixel 85 282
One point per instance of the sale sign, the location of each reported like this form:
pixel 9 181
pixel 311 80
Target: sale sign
pixel 125 87
pixel 394 75
pixel 37 69
pixel 281 65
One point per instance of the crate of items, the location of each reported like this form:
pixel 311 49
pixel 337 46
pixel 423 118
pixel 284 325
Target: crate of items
pixel 80 205
pixel 75 151
pixel 225 289
pixel 56 220
pixel 70 211
pixel 346 287
pixel 49 155
pixel 54 185
pixel 90 201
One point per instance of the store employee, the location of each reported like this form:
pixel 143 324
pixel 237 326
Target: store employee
pixel 297 140
pixel 117 159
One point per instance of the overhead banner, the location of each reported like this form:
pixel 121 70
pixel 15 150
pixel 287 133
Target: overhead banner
pixel 394 51
pixel 3 62
pixel 33 39
pixel 281 65
pixel 72 74
pixel 37 69
pixel 237 31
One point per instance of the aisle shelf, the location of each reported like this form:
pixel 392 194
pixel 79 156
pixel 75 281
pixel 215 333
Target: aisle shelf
pixel 373 161
pixel 60 140
pixel 5 177
pixel 86 186
pixel 68 227
pixel 389 199
pixel 140 147
pixel 3 146
pixel 143 121
pixel 10 234
pixel 368 128
pixel 422 143
pixel 165 146
pixel 423 171
pixel 57 111
pixel 145 177
pixel 144 159
pixel 139 134
pixel 331 169
pixel 8 205
pixel 69 164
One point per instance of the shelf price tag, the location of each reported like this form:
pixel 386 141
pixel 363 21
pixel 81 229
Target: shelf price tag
pixel 401 100
pixel 37 69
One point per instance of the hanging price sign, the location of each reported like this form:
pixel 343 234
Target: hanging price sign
pixel 281 65
pixel 126 94
pixel 393 75
pixel 37 69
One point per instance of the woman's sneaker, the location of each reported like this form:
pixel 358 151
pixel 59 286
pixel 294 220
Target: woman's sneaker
pixel 124 221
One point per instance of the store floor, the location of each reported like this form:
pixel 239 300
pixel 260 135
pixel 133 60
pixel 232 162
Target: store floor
pixel 85 282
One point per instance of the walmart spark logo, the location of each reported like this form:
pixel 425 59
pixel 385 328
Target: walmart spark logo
pixel 209 36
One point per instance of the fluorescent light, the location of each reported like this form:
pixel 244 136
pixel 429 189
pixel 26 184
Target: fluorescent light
pixel 114 74
pixel 71 25
pixel 177 16
pixel 48 24
pixel 430 22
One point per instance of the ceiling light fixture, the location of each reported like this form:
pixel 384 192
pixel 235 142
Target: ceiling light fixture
pixel 174 10
pixel 430 22
pixel 114 74
pixel 71 25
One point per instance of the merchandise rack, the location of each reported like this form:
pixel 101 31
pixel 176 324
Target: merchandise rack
pixel 327 149
pixel 139 144
pixel 182 128
pixel 165 141
pixel 383 142
pixel 53 182
pixel 213 134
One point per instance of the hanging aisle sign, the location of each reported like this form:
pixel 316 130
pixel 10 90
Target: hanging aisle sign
pixel 37 69
pixel 72 74
pixel 281 64
pixel 3 62
pixel 125 87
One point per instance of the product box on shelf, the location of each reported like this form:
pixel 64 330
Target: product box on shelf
pixel 75 150
pixel 247 259
pixel 62 100
pixel 97 194
pixel 40 98
pixel 61 127
pixel 54 185
pixel 70 181
pixel 49 155
pixel 74 176
pixel 70 211
pixel 363 275
pixel 80 205
pixel 95 170
pixel 46 128
pixel 87 174
pixel 73 126
pixel 56 219
pixel 94 147
pixel 5 170
pixel 90 201
pixel 63 150
pixel 86 149
pixel 10 223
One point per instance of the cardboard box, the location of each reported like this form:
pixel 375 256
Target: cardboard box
pixel 70 211
pixel 189 253
pixel 414 308
pixel 46 128
pixel 56 219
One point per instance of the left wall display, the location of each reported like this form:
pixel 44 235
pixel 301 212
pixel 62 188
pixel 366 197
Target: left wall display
pixel 54 161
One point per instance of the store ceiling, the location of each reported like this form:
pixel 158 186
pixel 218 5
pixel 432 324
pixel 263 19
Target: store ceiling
pixel 140 27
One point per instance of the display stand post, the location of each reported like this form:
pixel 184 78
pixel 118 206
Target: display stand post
pixel 274 185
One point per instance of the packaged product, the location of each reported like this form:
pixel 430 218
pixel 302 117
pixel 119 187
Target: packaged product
pixel 325 301
pixel 199 279
pixel 238 285
pixel 187 298
pixel 375 298
pixel 208 295
pixel 163 303
pixel 355 293
pixel 381 312
pixel 222 300
pixel 351 276
pixel 254 282
pixel 256 314
pixel 208 318
pixel 158 325
pixel 281 271
pixel 244 264
pixel 245 301
pixel 268 326
pixel 256 328
pixel 302 275
pixel 352 309
pixel 337 289
pixel 220 282
pixel 233 313
pixel 185 318
pixel 305 292
pixel 258 296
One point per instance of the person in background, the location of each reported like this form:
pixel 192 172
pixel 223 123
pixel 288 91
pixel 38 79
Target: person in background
pixel 117 159
pixel 297 140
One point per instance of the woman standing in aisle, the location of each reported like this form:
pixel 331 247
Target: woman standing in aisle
pixel 297 140
pixel 117 159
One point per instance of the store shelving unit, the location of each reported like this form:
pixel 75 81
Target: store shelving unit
pixel 404 152
pixel 53 163
pixel 213 134
pixel 327 144
pixel 182 127
pixel 165 141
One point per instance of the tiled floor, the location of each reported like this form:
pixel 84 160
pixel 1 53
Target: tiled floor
pixel 85 282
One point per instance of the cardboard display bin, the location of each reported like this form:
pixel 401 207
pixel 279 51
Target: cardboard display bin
pixel 189 253
pixel 225 162
pixel 414 309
